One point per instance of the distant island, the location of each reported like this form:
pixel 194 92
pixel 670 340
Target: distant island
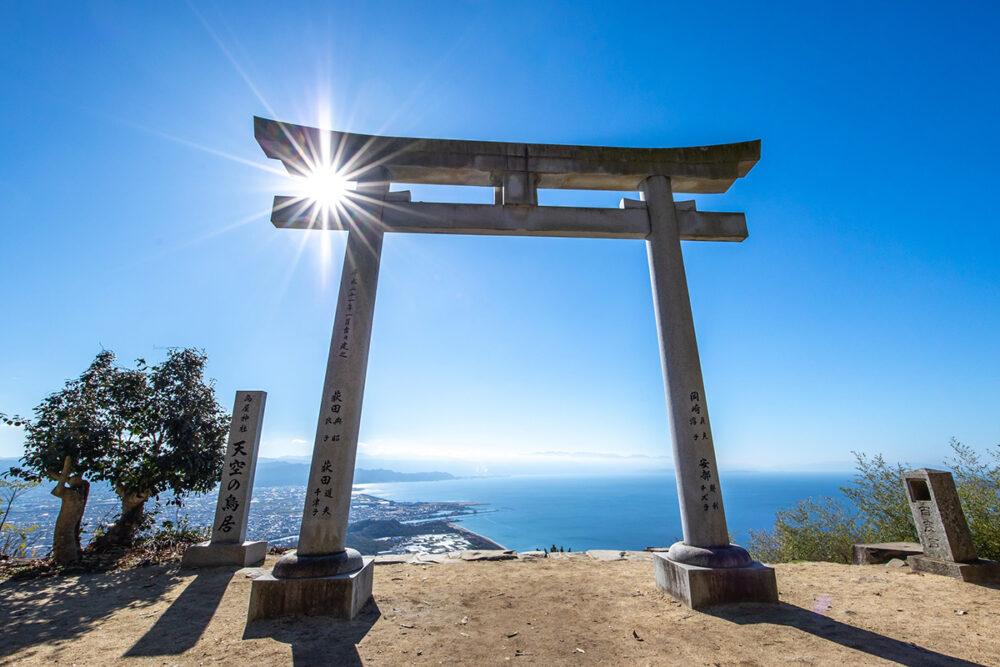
pixel 279 472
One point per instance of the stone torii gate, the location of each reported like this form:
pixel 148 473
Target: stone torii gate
pixel 323 576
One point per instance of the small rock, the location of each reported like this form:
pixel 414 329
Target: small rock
pixel 488 554
pixel 578 650
pixel 961 612
pixel 393 559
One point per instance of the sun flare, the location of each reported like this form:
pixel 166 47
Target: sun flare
pixel 325 187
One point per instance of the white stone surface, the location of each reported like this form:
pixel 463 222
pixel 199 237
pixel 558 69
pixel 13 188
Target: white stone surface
pixel 331 475
pixel 341 596
pixel 701 587
pixel 236 490
pixel 703 518
pixel 208 554
pixel 627 222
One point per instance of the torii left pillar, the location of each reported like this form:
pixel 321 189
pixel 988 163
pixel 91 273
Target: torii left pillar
pixel 323 577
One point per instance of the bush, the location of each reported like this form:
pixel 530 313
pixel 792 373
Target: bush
pixel 978 487
pixel 878 511
pixel 13 539
pixel 822 529
pixel 168 536
pixel 880 503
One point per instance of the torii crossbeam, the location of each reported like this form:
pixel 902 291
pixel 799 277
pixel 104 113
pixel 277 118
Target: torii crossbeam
pixel 701 570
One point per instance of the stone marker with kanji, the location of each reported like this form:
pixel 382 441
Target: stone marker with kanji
pixel 943 530
pixel 228 545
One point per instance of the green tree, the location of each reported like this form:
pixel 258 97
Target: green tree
pixel 146 431
pixel 66 442
pixel 171 436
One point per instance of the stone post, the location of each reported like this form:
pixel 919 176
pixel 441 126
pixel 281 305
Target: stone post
pixel 323 576
pixel 944 533
pixel 704 569
pixel 228 545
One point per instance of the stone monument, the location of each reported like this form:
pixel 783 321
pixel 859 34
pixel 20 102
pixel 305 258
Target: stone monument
pixel 228 545
pixel 943 530
pixel 323 577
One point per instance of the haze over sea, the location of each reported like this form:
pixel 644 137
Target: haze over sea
pixel 608 512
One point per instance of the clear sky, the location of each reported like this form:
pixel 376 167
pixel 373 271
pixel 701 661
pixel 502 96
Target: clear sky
pixel 861 314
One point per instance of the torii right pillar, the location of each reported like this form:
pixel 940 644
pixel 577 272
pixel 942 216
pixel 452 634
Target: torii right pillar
pixel 704 569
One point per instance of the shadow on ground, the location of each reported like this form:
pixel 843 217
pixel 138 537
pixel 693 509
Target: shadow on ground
pixel 35 615
pixel 846 635
pixel 318 640
pixel 183 623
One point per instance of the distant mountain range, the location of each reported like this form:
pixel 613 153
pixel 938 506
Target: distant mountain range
pixel 279 472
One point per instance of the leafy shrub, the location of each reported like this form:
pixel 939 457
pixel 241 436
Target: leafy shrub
pixel 978 487
pixel 13 539
pixel 169 535
pixel 880 503
pixel 812 529
pixel 878 511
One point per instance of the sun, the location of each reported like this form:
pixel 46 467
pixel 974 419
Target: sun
pixel 325 187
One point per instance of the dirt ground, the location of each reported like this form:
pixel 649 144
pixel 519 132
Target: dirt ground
pixel 545 611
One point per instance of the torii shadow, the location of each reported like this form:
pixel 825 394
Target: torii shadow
pixel 846 635
pixel 183 623
pixel 318 640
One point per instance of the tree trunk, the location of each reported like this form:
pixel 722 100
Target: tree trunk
pixel 73 493
pixel 122 531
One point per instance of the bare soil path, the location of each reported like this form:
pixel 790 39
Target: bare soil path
pixel 546 611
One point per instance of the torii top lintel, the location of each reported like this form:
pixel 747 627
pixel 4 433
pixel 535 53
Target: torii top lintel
pixel 696 169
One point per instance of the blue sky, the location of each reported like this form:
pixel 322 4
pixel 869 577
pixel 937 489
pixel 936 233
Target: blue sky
pixel 861 314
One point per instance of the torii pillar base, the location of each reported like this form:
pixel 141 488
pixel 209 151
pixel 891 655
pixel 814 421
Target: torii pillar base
pixel 340 596
pixel 207 554
pixel 702 578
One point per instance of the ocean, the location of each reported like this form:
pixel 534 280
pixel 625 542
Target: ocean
pixel 520 512
pixel 622 512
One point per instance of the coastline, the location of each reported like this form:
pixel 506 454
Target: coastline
pixel 475 539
